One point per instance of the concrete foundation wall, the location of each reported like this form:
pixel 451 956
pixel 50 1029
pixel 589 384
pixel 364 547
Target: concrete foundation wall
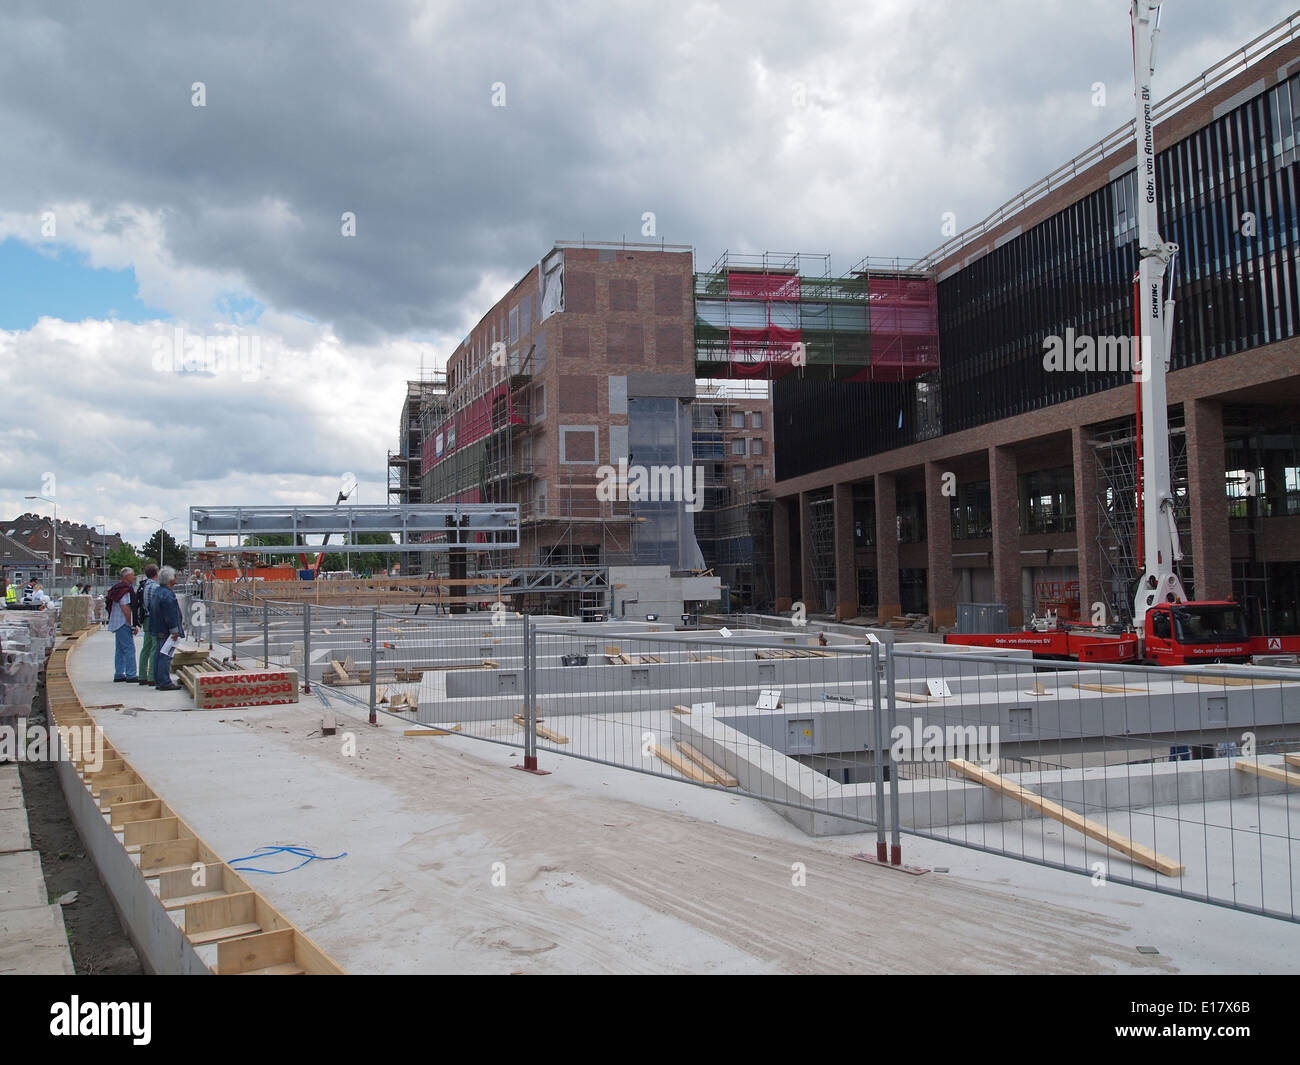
pixel 937 803
pixel 161 945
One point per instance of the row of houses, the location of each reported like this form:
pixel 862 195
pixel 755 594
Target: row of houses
pixel 25 544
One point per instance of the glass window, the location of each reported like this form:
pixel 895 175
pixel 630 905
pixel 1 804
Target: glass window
pixel 737 420
pixel 756 420
pixel 1047 501
pixel 756 446
pixel 738 447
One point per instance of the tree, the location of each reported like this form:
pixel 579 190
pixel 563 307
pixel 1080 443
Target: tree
pixel 123 555
pixel 163 547
pixel 362 561
pixel 272 540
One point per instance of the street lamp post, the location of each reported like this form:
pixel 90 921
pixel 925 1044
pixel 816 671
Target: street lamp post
pixel 162 524
pixel 102 573
pixel 54 547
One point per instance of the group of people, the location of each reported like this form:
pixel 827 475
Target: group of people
pixel 32 594
pixel 150 606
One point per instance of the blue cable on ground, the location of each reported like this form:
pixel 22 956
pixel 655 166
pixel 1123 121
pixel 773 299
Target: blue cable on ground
pixel 305 853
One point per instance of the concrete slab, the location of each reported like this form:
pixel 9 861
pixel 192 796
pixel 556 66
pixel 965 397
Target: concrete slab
pixel 33 943
pixel 14 835
pixel 607 870
pixel 22 885
pixel 456 863
pixel 11 791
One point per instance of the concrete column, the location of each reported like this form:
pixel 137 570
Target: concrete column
pixel 782 592
pixel 940 584
pixel 846 567
pixel 889 599
pixel 1087 520
pixel 807 584
pixel 1004 497
pixel 1211 544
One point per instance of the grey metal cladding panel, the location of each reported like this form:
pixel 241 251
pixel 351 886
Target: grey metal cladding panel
pixel 679 385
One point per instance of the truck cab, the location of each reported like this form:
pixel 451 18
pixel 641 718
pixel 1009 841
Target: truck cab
pixel 1187 634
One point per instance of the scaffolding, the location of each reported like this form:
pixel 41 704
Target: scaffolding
pixel 405 463
pixel 1115 449
pixel 764 316
pixel 821 554
pixel 725 526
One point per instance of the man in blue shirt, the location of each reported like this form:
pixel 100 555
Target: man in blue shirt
pixel 164 621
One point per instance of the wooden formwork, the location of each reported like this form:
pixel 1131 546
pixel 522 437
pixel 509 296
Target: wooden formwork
pixel 215 904
pixel 375 591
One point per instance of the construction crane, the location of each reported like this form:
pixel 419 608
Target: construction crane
pixel 320 557
pixel 1166 629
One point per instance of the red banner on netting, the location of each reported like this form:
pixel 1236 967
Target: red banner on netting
pixel 766 352
pixel 904 327
pixel 763 286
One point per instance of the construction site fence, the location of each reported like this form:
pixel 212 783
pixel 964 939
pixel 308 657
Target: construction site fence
pixel 1181 781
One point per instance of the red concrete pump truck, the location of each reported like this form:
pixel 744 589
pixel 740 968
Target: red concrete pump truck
pixel 1167 629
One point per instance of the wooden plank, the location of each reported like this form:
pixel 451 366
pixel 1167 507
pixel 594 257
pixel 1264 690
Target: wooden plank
pixel 1110 689
pixel 683 711
pixel 98 785
pixel 215 935
pixel 168 854
pixel 179 884
pixel 138 833
pixel 289 969
pixel 123 793
pixel 431 731
pixel 250 953
pixel 141 810
pixel 553 737
pixel 223 914
pixel 684 766
pixel 1269 772
pixel 1140 854
pixel 1292 760
pixel 1236 682
pixel 706 763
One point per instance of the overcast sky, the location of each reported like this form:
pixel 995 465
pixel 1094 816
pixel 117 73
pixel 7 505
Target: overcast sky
pixel 127 213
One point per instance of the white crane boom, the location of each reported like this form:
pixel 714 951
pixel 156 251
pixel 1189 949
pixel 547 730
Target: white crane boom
pixel 1160 549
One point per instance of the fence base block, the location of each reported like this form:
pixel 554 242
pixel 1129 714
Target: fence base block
pixel 871 859
pixel 530 766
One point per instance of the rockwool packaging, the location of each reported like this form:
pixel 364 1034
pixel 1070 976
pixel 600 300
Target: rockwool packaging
pixel 245 688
